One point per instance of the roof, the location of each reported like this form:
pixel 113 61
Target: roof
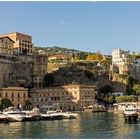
pixel 14 33
pixel 7 37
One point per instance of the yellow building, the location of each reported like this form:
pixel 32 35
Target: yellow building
pixel 6 46
pixel 39 69
pixel 23 42
pixel 17 95
pixel 70 97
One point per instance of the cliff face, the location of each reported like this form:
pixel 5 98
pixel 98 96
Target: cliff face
pixel 15 72
pixel 5 69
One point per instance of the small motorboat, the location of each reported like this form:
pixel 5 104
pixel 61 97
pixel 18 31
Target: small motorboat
pixel 130 113
pixel 31 115
pixel 13 114
pixel 3 118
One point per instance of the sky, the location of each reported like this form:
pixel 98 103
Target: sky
pixel 86 26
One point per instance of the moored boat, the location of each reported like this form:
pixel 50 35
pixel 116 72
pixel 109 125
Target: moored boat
pixel 67 115
pixel 49 113
pixel 130 113
pixel 98 108
pixel 13 114
pixel 31 115
pixel 3 118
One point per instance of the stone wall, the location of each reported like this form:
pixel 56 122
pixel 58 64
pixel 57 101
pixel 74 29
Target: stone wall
pixel 15 72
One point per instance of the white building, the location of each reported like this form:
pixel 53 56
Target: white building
pixel 120 57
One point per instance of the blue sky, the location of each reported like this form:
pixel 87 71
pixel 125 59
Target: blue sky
pixel 88 26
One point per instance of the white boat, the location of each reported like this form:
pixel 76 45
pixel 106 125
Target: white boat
pixel 13 114
pixel 130 113
pixel 3 117
pixel 66 115
pixel 69 115
pixel 32 114
pixel 49 113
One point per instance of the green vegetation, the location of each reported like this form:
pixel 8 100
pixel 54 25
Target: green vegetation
pixel 48 80
pixel 130 81
pixel 136 90
pixel 96 56
pixel 5 103
pixel 106 90
pixel 28 104
pixel 88 74
pixel 120 99
pixel 106 100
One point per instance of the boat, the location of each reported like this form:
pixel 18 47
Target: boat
pixel 31 115
pixel 49 113
pixel 3 117
pixel 130 113
pixel 67 115
pixel 98 108
pixel 13 114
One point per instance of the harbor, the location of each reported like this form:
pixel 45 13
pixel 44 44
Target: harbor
pixel 12 114
pixel 87 125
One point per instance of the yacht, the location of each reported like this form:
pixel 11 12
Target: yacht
pixel 98 108
pixel 67 115
pixel 49 113
pixel 131 111
pixel 31 115
pixel 13 114
pixel 3 117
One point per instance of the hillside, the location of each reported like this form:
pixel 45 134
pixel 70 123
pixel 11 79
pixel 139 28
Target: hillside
pixel 57 50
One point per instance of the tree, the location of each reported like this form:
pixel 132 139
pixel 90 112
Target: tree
pixel 88 74
pixel 136 89
pixel 120 99
pixel 106 89
pixel 111 99
pixel 130 82
pixel 28 104
pixel 48 80
pixel 5 103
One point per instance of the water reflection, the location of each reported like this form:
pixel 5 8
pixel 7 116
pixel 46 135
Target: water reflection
pixel 88 125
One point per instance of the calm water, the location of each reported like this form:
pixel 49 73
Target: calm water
pixel 88 125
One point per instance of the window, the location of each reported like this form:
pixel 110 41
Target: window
pixel 24 95
pixel 39 84
pixel 12 94
pixel 18 94
pixel 6 94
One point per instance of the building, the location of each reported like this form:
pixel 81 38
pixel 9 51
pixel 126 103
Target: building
pixel 120 57
pixel 22 42
pixel 6 46
pixel 70 97
pixel 17 95
pixel 122 60
pixel 39 69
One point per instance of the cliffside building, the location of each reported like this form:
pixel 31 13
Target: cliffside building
pixel 22 42
pixel 6 46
